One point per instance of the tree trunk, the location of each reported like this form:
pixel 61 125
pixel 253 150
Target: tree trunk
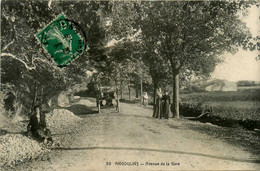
pixel 175 96
pixel 121 89
pixel 141 90
pixel 155 86
pixel 136 92
pixel 116 89
pixel 129 92
pixel 55 100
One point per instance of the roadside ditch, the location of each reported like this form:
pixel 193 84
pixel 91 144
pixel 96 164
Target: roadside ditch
pixel 206 115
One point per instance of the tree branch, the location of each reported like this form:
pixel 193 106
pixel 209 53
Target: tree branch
pixel 8 45
pixel 14 57
pixel 39 59
pixel 49 3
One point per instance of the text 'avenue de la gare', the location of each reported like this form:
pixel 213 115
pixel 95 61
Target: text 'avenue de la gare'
pixel 135 163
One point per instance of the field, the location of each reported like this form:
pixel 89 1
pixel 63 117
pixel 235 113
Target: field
pixel 240 105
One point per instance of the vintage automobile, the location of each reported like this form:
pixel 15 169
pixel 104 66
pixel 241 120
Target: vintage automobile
pixel 107 98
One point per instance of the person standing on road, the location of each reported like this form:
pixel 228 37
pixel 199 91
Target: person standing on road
pixel 166 105
pixel 158 105
pixel 145 99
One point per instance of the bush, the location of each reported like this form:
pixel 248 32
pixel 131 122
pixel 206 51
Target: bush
pixel 1 104
pixel 3 119
pixel 246 83
pixel 190 110
pixel 195 88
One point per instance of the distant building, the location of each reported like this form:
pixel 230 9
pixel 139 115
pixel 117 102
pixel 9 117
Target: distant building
pixel 222 86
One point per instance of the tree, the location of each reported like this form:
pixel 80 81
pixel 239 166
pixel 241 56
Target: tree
pixel 23 61
pixel 158 68
pixel 192 35
pixel 122 67
pixel 139 57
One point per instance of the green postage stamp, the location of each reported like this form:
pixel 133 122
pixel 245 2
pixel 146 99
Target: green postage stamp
pixel 63 40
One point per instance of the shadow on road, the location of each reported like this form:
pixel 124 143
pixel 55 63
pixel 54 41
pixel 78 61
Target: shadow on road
pixel 79 109
pixel 69 133
pixel 163 151
pixel 122 115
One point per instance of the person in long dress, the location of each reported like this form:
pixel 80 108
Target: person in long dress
pixel 158 105
pixel 166 105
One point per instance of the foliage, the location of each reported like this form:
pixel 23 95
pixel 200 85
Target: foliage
pixel 176 36
pixel 245 83
pixel 25 64
pixel 191 110
pixel 120 20
pixel 192 35
pixel 196 88
pixel 1 104
pixel 151 38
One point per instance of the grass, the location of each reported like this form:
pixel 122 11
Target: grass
pixel 239 110
pixel 247 140
pixel 223 96
pixel 239 105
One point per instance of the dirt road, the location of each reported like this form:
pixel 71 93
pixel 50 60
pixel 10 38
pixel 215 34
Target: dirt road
pixel 133 140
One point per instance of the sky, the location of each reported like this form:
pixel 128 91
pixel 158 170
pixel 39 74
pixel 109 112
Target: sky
pixel 242 65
